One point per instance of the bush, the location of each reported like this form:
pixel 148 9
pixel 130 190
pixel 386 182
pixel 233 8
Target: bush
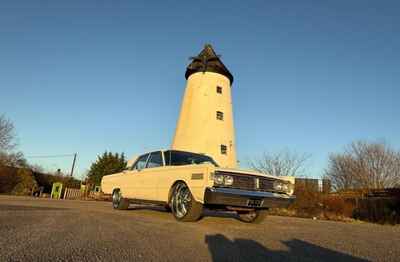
pixel 8 179
pixel 22 181
pixel 26 182
pixel 308 202
pixel 47 180
pixel 341 207
pixel 311 203
pixel 379 210
pixel 337 208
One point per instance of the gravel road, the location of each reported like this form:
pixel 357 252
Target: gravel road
pixel 33 229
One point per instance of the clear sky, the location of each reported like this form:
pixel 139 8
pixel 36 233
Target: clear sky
pixel 89 76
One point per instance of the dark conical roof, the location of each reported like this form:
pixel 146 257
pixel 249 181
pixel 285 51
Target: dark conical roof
pixel 208 61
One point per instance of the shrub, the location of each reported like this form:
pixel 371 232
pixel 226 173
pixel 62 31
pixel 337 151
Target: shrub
pixel 379 210
pixel 26 182
pixel 8 179
pixel 47 180
pixel 308 202
pixel 337 207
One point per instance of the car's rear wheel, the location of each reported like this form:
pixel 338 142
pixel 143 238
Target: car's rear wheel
pixel 255 216
pixel 183 206
pixel 118 201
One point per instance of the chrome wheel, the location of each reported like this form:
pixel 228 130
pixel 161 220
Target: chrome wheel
pixel 181 201
pixel 116 198
pixel 118 201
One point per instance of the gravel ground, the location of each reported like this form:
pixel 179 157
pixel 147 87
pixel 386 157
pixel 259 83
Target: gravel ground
pixel 34 229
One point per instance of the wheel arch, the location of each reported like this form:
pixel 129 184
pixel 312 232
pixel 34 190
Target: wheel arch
pixel 172 188
pixel 197 192
pixel 117 189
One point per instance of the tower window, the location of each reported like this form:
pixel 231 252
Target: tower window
pixel 220 115
pixel 224 149
pixel 219 89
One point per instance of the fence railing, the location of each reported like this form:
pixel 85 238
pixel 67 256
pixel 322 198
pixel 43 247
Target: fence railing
pixel 73 193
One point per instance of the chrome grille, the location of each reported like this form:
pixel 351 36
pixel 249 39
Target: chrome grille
pixel 266 184
pixel 248 182
pixel 243 182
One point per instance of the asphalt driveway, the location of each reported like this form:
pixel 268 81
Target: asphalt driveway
pixel 33 229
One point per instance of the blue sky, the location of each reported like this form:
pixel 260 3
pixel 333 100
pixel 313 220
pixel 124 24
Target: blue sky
pixel 89 76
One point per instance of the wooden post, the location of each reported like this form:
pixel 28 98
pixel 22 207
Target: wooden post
pixel 65 192
pixel 73 164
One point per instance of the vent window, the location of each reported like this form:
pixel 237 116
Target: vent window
pixel 220 115
pixel 224 149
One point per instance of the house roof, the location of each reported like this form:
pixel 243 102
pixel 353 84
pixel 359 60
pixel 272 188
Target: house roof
pixel 208 61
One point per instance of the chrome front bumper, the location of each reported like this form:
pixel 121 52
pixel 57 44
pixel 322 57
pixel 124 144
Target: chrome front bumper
pixel 245 198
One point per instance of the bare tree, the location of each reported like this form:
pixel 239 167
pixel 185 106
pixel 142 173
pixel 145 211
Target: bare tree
pixel 8 155
pixel 7 134
pixel 283 163
pixel 338 172
pixel 13 159
pixel 364 165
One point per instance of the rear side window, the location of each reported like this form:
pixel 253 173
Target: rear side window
pixel 141 162
pixel 167 157
pixel 155 160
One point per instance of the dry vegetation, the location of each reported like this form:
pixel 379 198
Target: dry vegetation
pixel 356 175
pixel 283 163
pixel 365 166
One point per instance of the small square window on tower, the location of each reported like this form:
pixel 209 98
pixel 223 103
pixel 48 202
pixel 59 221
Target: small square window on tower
pixel 219 89
pixel 220 115
pixel 224 149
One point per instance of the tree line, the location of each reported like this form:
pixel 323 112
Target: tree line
pixel 361 165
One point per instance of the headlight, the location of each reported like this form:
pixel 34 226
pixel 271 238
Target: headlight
pixel 223 180
pixel 218 179
pixel 278 185
pixel 283 186
pixel 228 181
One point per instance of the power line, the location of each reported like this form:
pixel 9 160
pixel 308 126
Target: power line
pixel 55 156
pixel 51 156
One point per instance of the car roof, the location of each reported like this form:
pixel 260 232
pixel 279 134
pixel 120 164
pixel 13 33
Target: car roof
pixel 170 149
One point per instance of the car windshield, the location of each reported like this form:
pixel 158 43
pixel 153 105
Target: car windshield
pixel 181 158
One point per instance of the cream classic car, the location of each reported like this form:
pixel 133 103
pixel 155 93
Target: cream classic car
pixel 185 182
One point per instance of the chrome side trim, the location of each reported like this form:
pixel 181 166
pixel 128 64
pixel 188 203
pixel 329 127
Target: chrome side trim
pixel 246 193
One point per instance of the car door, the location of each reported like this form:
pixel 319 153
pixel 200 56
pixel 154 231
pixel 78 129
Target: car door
pixel 136 178
pixel 149 175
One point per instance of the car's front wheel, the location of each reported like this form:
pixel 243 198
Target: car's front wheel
pixel 255 216
pixel 183 206
pixel 118 201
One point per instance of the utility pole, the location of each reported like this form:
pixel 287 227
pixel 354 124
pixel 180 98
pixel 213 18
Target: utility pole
pixel 73 164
